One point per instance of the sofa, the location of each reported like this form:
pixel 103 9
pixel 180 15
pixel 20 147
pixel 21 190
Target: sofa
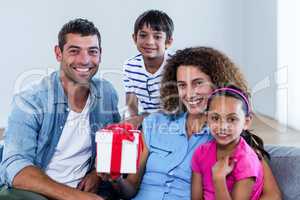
pixel 285 165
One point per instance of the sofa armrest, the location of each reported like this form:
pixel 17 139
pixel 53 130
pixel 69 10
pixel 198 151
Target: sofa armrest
pixel 285 165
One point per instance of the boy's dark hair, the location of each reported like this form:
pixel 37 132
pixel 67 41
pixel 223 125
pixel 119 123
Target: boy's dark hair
pixel 157 20
pixel 77 26
pixel 253 140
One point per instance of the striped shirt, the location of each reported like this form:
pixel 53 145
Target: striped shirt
pixel 142 83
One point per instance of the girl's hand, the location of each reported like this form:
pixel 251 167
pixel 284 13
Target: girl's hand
pixel 222 168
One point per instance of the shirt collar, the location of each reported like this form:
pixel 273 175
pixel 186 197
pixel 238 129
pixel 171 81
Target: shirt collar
pixel 59 94
pixel 204 131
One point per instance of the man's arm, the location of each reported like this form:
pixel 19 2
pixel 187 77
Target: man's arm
pixel 17 167
pixel 33 179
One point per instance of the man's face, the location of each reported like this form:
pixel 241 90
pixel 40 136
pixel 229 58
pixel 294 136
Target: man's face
pixel 80 58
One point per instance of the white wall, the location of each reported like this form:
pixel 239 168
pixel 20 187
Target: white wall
pixel 260 52
pixel 271 57
pixel 288 63
pixel 29 32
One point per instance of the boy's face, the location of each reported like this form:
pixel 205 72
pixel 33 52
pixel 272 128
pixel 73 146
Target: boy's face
pixel 152 44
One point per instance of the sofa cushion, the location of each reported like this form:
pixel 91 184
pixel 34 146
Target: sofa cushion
pixel 285 165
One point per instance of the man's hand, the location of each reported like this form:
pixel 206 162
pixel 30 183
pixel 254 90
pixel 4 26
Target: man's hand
pixel 90 182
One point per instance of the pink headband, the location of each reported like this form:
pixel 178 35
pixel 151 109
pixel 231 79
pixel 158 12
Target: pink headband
pixel 233 91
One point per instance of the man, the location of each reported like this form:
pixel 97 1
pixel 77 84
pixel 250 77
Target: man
pixel 49 148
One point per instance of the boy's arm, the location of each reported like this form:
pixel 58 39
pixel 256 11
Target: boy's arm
pixel 197 190
pixel 132 104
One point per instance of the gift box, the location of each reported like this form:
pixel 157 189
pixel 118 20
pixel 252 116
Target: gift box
pixel 118 149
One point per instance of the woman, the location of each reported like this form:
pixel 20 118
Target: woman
pixel 172 135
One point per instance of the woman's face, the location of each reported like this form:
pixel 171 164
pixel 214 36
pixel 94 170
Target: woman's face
pixel 194 86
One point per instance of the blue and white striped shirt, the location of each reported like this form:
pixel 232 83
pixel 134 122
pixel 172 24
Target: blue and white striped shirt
pixel 142 83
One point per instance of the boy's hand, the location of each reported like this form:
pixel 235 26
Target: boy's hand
pixel 136 121
pixel 222 168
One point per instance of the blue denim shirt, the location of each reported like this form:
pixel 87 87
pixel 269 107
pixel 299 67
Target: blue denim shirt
pixel 37 120
pixel 168 169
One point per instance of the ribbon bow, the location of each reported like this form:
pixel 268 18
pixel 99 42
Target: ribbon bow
pixel 122 131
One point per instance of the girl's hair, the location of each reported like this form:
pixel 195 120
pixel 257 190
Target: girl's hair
pixel 212 62
pixel 253 140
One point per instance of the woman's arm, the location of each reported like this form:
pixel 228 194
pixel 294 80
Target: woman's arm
pixel 128 187
pixel 271 189
pixel 197 190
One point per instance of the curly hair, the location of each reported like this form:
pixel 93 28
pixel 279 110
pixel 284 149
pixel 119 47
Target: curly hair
pixel 221 70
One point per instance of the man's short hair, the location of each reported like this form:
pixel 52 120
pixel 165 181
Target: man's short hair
pixel 157 20
pixel 77 26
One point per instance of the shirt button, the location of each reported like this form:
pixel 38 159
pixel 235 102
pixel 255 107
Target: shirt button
pixel 61 127
pixel 68 109
pixel 171 173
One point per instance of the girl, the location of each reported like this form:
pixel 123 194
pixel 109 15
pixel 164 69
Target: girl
pixel 227 167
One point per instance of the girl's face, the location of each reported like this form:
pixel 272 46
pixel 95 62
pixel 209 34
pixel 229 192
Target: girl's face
pixel 194 86
pixel 227 119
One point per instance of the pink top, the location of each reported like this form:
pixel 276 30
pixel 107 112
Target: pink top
pixel 247 165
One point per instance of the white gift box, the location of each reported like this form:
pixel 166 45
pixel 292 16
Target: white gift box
pixel 104 140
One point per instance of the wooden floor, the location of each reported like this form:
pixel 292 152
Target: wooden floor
pixel 269 130
pixel 273 133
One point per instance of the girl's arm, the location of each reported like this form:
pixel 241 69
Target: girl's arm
pixel 197 190
pixel 242 189
pixel 220 170
pixel 128 187
pixel 271 189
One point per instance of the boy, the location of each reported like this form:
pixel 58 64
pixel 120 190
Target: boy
pixel 152 35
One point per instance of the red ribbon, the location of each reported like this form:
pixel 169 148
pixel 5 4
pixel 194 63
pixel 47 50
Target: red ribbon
pixel 121 132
